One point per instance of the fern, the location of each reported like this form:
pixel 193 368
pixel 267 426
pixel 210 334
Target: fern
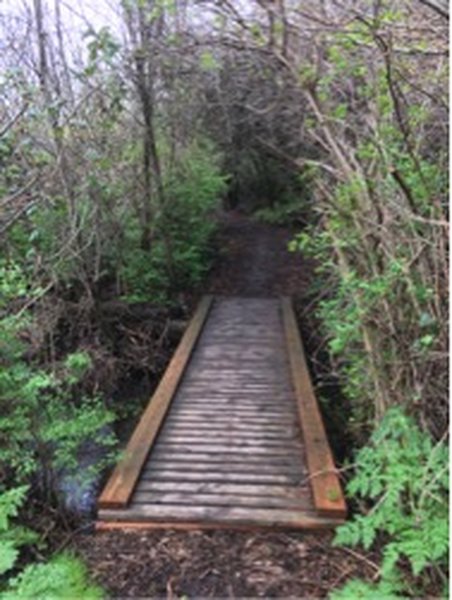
pixel 8 555
pixel 62 577
pixel 405 475
pixel 357 589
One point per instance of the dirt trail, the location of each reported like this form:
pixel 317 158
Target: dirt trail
pixel 254 261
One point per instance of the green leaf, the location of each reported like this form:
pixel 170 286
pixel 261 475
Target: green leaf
pixel 208 62
pixel 10 502
pixel 8 555
pixel 62 577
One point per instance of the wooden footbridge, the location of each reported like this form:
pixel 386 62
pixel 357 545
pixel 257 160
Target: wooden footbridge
pixel 233 436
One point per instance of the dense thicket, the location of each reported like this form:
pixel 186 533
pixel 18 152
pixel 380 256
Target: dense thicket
pixel 119 140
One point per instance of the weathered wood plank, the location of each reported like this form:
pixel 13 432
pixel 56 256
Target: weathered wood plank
pixel 233 411
pixel 228 409
pixel 223 515
pixel 199 499
pixel 226 467
pixel 326 488
pixel 219 377
pixel 254 399
pixel 236 448
pixel 231 441
pixel 224 402
pixel 214 475
pixel 243 386
pixel 122 481
pixel 229 419
pixel 212 411
pixel 186 434
pixel 225 391
pixel 216 458
pixel 238 425
pixel 260 354
pixel 311 523
pixel 242 489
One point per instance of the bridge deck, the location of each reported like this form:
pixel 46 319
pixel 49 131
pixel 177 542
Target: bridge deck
pixel 233 436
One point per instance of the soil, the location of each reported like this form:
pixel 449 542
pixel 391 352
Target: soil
pixel 253 261
pixel 218 564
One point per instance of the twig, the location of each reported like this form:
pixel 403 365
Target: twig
pixel 371 563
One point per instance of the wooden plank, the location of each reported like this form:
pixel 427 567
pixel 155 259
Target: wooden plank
pixel 231 457
pixel 235 340
pixel 237 337
pixel 243 489
pixel 259 355
pixel 307 522
pixel 237 427
pixel 184 499
pixel 205 417
pixel 225 403
pixel 255 402
pixel 185 475
pixel 327 492
pixel 220 515
pixel 236 397
pixel 229 378
pixel 233 411
pixel 237 408
pixel 211 405
pixel 236 448
pixel 242 386
pixel 122 481
pixel 250 356
pixel 231 441
pixel 278 395
pixel 231 417
pixel 225 467
pixel 263 421
pixel 277 387
pixel 212 411
pixel 270 382
pixel 189 435
pixel 235 367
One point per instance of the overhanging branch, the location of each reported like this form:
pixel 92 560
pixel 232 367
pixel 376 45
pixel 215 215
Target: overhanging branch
pixel 439 6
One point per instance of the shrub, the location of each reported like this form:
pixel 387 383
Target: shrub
pixel 403 476
pixel 62 577
pixel 194 189
pixel 44 420
pixel 179 256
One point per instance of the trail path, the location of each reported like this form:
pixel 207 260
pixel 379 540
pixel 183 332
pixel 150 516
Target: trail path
pixel 254 261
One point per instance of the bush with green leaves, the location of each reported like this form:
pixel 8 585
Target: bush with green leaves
pixel 63 576
pixel 402 476
pixel 179 254
pixel 377 323
pixel 187 222
pixel 44 417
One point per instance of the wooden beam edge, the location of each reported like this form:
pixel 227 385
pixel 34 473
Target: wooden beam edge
pixel 329 499
pixel 122 481
pixel 310 523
